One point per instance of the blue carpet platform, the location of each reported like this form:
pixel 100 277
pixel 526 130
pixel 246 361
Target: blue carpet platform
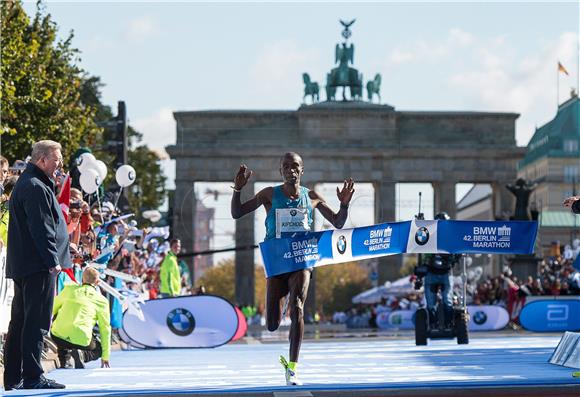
pixel 361 367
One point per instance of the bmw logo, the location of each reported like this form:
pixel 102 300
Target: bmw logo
pixel 293 212
pixel 479 317
pixel 341 245
pixel 180 322
pixel 422 236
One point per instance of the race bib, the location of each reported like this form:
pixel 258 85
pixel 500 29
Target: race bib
pixel 291 220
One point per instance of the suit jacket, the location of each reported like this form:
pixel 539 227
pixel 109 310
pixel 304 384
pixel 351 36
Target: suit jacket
pixel 37 230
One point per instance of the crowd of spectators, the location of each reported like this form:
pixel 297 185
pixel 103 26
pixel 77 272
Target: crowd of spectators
pixel 556 276
pixel 98 233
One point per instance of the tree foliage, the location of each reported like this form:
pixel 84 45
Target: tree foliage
pixel 40 88
pixel 149 189
pixel 337 284
pixel 46 95
pixel 220 280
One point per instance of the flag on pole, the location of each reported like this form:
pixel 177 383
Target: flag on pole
pixel 562 69
pixel 64 197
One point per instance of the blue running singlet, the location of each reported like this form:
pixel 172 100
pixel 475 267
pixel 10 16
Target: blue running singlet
pixel 288 216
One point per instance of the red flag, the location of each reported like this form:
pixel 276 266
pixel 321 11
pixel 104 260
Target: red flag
pixel 71 274
pixel 64 197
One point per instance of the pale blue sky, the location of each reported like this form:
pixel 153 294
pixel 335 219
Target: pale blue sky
pixel 162 57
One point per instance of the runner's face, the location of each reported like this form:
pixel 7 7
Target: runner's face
pixel 292 169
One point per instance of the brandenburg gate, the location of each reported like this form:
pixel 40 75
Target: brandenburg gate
pixel 339 138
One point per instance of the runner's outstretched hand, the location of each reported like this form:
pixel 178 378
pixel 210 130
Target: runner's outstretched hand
pixel 242 177
pixel 345 195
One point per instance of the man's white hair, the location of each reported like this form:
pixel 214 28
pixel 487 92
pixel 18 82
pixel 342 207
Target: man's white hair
pixel 43 148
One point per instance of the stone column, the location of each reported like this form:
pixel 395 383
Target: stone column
pixel 184 218
pixel 245 282
pixel 385 203
pixel 310 307
pixel 444 194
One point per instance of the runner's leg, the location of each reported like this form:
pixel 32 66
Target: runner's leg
pixel 298 284
pixel 276 290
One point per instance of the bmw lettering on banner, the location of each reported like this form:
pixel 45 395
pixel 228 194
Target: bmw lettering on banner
pixel 300 252
pixel 422 237
pixel 487 236
pixel 379 240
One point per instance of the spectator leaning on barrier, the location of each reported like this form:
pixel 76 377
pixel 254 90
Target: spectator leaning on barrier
pixel 77 309
pixel 169 272
pixel 37 251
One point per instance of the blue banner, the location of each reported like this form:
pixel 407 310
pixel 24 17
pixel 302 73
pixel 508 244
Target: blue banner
pixel 551 315
pixel 314 249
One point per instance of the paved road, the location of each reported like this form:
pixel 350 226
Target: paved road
pixel 332 367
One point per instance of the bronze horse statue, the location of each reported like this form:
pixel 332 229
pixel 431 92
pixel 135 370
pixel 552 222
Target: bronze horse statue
pixel 373 87
pixel 310 88
pixel 343 75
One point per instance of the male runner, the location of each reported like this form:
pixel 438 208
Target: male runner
pixel 289 210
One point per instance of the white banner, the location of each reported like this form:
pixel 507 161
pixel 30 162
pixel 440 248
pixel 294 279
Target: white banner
pixel 186 321
pixel 6 294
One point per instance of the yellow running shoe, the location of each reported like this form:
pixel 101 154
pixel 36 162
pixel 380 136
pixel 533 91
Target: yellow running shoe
pixel 291 376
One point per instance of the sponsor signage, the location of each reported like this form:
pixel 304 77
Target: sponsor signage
pixel 487 318
pixel 311 249
pixel 551 315
pixel 188 321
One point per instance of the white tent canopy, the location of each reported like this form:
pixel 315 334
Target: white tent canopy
pixel 399 287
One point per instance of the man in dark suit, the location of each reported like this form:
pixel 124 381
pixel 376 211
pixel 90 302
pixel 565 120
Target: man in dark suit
pixel 38 250
pixel 573 203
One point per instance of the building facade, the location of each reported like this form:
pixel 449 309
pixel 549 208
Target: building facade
pixel 552 162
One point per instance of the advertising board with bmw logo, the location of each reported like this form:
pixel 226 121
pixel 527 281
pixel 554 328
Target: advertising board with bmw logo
pixel 487 318
pixel 188 321
pixel 180 321
pixel 422 237
pixel 342 245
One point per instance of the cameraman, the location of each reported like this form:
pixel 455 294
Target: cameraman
pixel 438 272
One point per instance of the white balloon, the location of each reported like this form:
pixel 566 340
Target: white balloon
pixel 85 161
pixel 90 181
pixel 101 168
pixel 125 175
pixel 152 215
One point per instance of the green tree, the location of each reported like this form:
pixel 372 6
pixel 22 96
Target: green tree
pixel 40 85
pixel 148 191
pixel 337 284
pixel 220 280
